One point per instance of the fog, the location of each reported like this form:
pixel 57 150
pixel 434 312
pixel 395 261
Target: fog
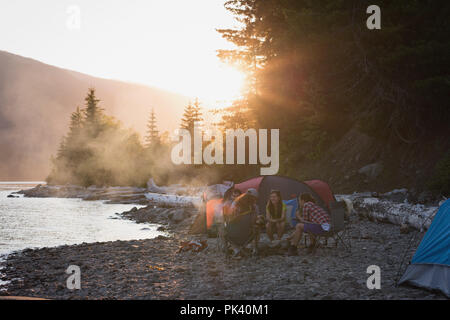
pixel 36 101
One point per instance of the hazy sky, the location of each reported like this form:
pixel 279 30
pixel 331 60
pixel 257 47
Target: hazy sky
pixel 167 44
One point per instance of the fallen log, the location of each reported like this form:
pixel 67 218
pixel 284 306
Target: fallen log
pixel 173 200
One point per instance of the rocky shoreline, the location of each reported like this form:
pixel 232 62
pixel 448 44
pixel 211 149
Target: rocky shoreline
pixel 153 269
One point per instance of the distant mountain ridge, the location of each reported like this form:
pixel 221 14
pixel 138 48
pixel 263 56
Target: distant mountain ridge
pixel 36 101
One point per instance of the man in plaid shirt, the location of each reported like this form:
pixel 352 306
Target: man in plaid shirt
pixel 313 220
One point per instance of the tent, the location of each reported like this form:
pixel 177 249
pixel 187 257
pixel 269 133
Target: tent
pixel 430 265
pixel 289 188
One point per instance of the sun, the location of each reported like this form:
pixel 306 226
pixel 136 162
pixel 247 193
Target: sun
pixel 226 84
pixel 214 85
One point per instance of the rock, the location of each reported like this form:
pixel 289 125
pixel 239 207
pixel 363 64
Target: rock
pixel 178 216
pixel 404 228
pixel 425 197
pixel 12 196
pixel 372 171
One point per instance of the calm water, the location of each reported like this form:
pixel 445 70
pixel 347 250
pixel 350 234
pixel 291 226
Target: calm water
pixel 49 222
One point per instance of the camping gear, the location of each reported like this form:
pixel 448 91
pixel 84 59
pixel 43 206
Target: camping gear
pixel 337 226
pixel 291 208
pixel 289 189
pixel 239 232
pixel 193 245
pixel 430 265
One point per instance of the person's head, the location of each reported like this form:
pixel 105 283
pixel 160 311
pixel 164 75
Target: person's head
pixel 253 193
pixel 236 193
pixel 275 196
pixel 305 197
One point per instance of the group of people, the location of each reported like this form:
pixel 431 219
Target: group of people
pixel 311 218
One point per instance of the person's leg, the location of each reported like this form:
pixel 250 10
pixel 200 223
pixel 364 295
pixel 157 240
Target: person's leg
pixel 256 240
pixel 297 234
pixel 269 230
pixel 280 229
pixel 313 240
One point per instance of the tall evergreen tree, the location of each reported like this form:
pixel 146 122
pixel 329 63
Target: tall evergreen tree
pixel 152 137
pixel 93 113
pixel 192 113
pixel 76 122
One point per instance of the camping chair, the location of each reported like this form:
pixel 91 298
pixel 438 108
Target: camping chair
pixel 337 226
pixel 239 231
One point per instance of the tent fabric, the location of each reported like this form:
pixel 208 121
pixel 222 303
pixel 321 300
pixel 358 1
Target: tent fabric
pixel 289 188
pixel 428 276
pixel 251 183
pixel 213 209
pixel 290 214
pixel 323 190
pixel 431 263
pixel 435 245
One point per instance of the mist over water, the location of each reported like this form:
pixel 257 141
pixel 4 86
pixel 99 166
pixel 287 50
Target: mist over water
pixel 49 222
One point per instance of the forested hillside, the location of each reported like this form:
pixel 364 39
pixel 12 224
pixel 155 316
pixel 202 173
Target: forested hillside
pixel 345 96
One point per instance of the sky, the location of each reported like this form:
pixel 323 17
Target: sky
pixel 166 44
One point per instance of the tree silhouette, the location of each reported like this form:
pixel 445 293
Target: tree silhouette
pixel 93 113
pixel 152 137
pixel 192 113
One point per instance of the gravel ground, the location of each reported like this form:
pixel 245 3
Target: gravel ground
pixel 152 269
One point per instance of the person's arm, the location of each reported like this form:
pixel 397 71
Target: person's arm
pixel 268 217
pixel 305 212
pixel 283 214
pixel 297 215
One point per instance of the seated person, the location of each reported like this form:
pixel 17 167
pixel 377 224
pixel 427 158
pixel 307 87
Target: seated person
pixel 275 215
pixel 245 204
pixel 228 200
pixel 313 220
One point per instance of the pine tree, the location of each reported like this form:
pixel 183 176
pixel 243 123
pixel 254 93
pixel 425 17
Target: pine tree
pixel 93 113
pixel 152 137
pixel 76 122
pixel 192 113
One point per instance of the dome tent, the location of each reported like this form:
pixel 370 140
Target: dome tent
pixel 290 188
pixel 430 265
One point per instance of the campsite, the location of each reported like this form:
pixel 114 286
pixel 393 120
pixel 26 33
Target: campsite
pixel 225 150
pixel 158 269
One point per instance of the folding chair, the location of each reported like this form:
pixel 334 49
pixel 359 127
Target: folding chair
pixel 337 228
pixel 239 231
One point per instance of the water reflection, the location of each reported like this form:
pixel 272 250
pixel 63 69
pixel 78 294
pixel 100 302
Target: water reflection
pixel 48 222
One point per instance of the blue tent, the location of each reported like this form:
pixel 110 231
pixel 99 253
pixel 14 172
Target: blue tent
pixel 430 266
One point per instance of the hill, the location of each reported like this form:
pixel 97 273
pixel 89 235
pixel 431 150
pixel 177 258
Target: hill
pixel 36 101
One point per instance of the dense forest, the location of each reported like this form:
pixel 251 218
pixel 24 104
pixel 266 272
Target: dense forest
pixel 343 97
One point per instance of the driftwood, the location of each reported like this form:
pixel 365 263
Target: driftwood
pixel 173 200
pixel 417 216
